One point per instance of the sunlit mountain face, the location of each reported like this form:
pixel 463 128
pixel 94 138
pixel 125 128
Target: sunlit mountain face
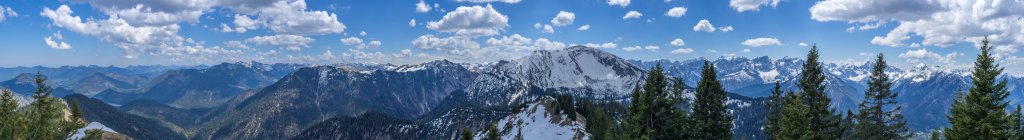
pixel 511 69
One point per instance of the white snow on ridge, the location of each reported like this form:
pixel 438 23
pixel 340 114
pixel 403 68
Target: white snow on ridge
pixel 768 76
pixel 92 125
pixel 535 122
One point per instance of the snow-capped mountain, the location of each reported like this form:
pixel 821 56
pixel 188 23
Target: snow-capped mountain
pixel 539 120
pixel 310 95
pixel 581 71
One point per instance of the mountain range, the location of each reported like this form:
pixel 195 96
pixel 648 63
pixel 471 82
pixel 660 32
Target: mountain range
pixel 437 99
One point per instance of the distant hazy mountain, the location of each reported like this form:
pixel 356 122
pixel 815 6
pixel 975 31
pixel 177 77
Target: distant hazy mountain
pixel 201 88
pixel 134 126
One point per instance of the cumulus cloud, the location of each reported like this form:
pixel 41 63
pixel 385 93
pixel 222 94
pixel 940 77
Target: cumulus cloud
pixel 608 45
pixel 752 5
pixel 620 3
pixel 518 43
pixel 584 27
pixel 725 29
pixel 471 21
pixel 431 42
pixel 6 12
pixel 676 12
pixel 563 18
pixel 682 51
pixel 412 23
pixel 704 26
pixel 489 1
pixel 802 44
pixel 289 42
pixel 632 14
pixel 652 48
pixel 351 41
pixel 939 23
pixel 915 56
pixel 629 49
pixel 422 7
pixel 49 40
pixel 677 42
pixel 548 29
pixel 134 40
pixel 763 41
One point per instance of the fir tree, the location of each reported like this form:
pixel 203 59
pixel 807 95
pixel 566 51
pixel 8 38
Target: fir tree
pixel 709 111
pixel 47 121
pixel 654 113
pixel 981 112
pixel 1016 126
pixel 774 111
pixel 466 134
pixel 823 122
pixel 848 124
pixel 879 115
pixel 793 121
pixel 599 124
pixel 935 135
pixel 492 132
pixel 12 123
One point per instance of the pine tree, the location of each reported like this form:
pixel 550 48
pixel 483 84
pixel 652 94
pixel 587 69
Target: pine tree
pixel 93 134
pixel 466 134
pixel 879 115
pixel 712 117
pixel 599 124
pixel 848 124
pixel 935 135
pixel 47 121
pixel 823 122
pixel 1016 126
pixel 492 132
pixel 981 112
pixel 654 114
pixel 774 112
pixel 793 121
pixel 12 123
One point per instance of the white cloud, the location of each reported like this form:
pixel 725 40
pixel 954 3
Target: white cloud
pixel 915 56
pixel 372 44
pixel 620 3
pixel 629 49
pixel 489 1
pixel 652 48
pixel 725 29
pixel 422 7
pixel 471 21
pixel 412 23
pixel 351 41
pixel 584 27
pixel 563 18
pixel 632 14
pixel 431 42
pixel 939 23
pixel 6 12
pixel 608 45
pixel 284 17
pixel 237 44
pixel 746 50
pixel 289 42
pixel 676 12
pixel 704 26
pixel 243 23
pixel 682 51
pixel 802 44
pixel 763 41
pixel 752 5
pixel 362 33
pixel 49 40
pixel 677 42
pixel 134 40
pixel 537 25
pixel 548 29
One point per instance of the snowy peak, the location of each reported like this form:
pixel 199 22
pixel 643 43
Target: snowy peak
pixel 432 65
pixel 539 120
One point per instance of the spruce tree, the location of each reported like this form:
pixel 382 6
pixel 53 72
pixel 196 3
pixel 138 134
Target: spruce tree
pixel 848 124
pixel 466 134
pixel 793 121
pixel 654 114
pixel 599 124
pixel 981 112
pixel 774 111
pixel 47 121
pixel 879 114
pixel 492 132
pixel 12 123
pixel 712 117
pixel 1016 126
pixel 823 122
pixel 935 135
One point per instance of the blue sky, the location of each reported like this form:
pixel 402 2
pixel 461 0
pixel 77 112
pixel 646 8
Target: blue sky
pixel 113 32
